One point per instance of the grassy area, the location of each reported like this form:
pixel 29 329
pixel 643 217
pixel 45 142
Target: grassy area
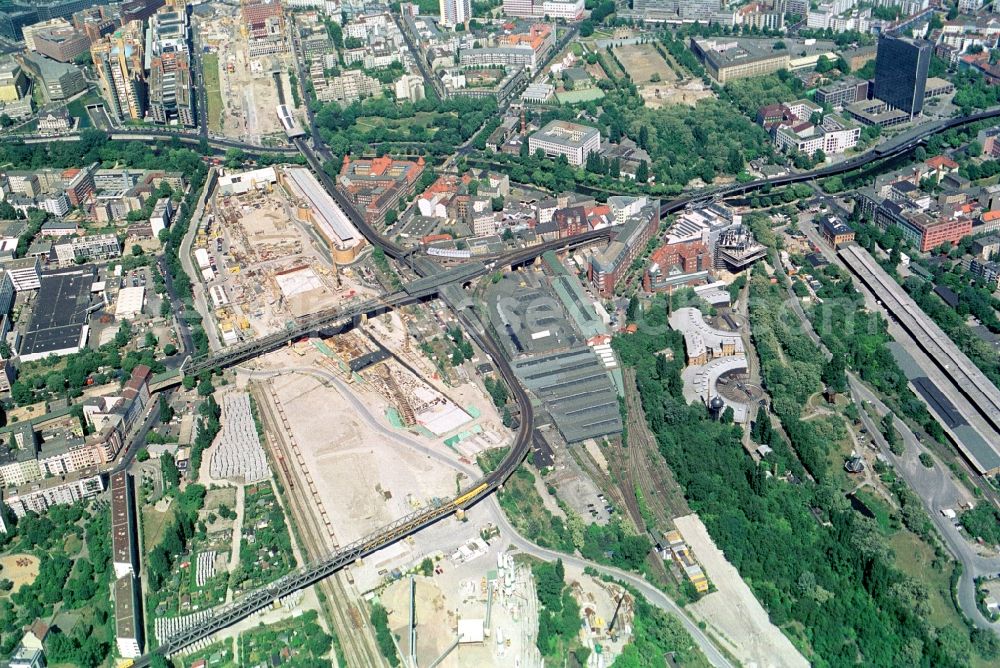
pixel 153 524
pixel 577 96
pixel 213 90
pixel 78 109
pixel 879 508
pixel 524 507
pixel 424 118
pixel 915 558
pixel 216 655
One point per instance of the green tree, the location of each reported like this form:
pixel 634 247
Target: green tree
pixel 168 466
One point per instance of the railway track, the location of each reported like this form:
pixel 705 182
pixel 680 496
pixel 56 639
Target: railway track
pixel 356 642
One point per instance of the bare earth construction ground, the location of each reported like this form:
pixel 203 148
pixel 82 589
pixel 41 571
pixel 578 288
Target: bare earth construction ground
pixel 367 481
pixel 733 611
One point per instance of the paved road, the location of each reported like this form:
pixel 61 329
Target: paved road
pixel 183 331
pixel 197 287
pixel 937 489
pixel 652 594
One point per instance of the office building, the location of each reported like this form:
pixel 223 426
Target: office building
pixel 834 135
pixel 139 10
pixel 59 81
pixel 13 82
pixel 835 231
pixel 901 73
pixel 572 140
pixel 170 93
pixel 63 44
pixel 570 10
pixel 455 12
pixel 677 11
pixel 608 266
pixel 96 22
pixel 25 272
pixel 842 93
pixel 163 213
pixel 30 31
pixel 118 59
pixel 15 16
pixel 670 265
pixel 171 98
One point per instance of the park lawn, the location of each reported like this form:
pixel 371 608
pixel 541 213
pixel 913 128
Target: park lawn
pixel 213 90
pixel 576 49
pixel 425 118
pixel 915 558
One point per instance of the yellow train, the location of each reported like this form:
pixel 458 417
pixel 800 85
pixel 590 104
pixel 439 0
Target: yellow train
pixel 470 495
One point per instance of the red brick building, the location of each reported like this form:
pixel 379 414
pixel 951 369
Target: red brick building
pixel 682 263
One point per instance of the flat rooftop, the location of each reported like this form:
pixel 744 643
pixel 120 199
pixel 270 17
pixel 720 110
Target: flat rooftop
pixel 333 221
pixel 60 314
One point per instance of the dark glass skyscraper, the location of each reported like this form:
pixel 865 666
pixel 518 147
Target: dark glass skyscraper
pixel 901 72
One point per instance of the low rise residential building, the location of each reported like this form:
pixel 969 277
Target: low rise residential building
pixel 986 271
pixel 39 496
pixel 350 86
pixel 89 248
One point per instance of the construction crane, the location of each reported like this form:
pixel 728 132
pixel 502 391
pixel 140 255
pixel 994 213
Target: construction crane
pixel 614 618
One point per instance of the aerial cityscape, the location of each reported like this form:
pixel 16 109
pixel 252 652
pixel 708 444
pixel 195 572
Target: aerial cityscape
pixel 514 333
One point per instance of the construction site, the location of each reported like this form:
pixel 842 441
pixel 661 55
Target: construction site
pixel 264 260
pixel 385 411
pixel 253 74
pixel 480 608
